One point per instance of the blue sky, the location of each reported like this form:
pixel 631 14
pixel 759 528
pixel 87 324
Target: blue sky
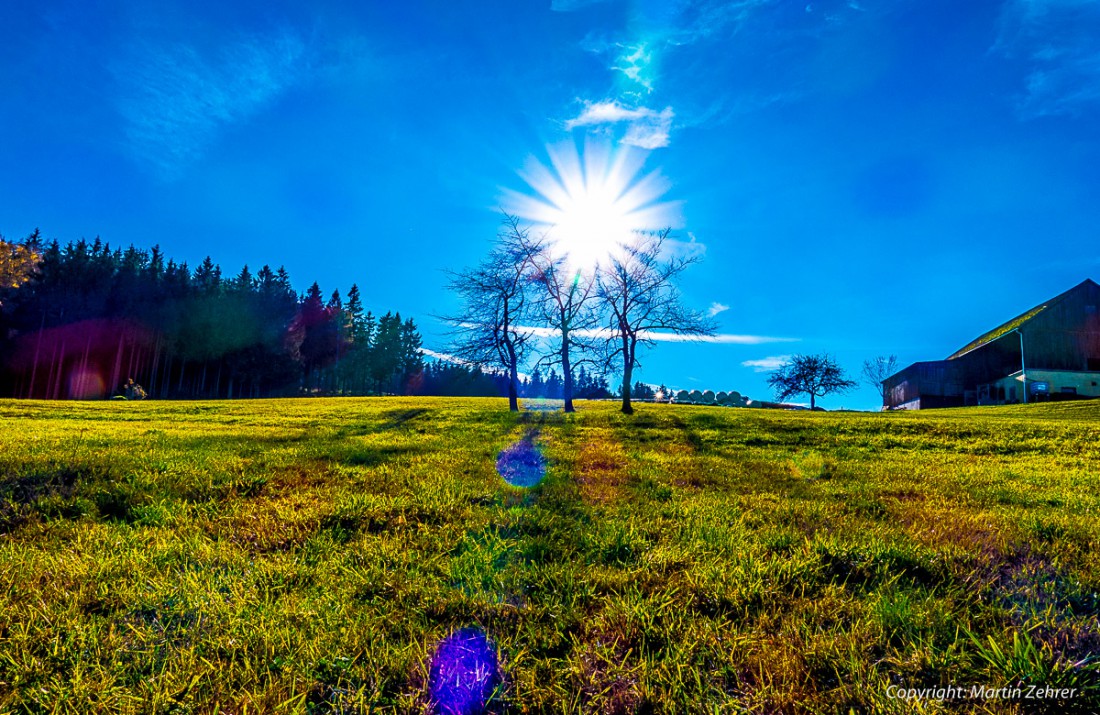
pixel 864 177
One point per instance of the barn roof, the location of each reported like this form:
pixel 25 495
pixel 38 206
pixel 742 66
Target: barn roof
pixel 1017 322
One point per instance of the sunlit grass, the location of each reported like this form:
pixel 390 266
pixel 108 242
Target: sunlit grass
pixel 308 555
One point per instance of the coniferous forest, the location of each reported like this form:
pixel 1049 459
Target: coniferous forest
pixel 91 321
pixel 92 318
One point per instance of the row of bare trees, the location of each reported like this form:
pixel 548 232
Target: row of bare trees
pixel 527 302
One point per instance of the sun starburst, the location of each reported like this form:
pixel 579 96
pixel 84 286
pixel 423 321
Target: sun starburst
pixel 592 203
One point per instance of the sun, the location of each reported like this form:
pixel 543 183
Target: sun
pixel 591 204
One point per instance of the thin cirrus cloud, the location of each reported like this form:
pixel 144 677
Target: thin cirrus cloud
pixel 768 364
pixel 455 360
pixel 645 128
pixel 1055 40
pixel 716 308
pixel 635 62
pixel 699 31
pixel 660 337
pixel 175 100
pixel 636 57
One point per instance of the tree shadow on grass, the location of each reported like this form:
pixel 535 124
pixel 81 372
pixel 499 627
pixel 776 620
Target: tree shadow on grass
pixel 19 494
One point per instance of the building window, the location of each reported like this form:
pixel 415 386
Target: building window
pixel 1069 390
pixel 1012 394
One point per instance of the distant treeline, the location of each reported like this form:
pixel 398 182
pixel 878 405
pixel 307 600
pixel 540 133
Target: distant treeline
pixel 93 317
pixel 453 380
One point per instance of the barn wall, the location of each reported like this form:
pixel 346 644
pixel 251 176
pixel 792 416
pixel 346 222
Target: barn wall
pixel 1065 336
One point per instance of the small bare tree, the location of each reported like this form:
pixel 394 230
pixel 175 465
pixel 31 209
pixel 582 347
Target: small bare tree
pixel 568 307
pixel 877 369
pixel 639 294
pixel 813 375
pixel 490 331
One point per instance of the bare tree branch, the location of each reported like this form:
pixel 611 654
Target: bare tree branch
pixel 813 375
pixel 567 304
pixel 491 329
pixel 877 369
pixel 639 294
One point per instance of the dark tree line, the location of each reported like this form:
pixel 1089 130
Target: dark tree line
pixel 586 385
pixel 454 380
pixel 91 317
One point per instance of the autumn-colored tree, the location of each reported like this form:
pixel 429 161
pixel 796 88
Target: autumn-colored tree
pixel 18 263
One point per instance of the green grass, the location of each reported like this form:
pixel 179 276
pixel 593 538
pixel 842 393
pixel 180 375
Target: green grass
pixel 305 556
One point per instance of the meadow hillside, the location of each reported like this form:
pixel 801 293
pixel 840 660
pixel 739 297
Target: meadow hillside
pixel 307 556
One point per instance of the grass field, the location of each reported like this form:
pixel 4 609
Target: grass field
pixel 307 556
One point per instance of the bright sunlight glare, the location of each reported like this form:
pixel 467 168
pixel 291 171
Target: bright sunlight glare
pixel 593 202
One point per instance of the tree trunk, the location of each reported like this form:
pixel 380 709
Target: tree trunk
pixel 812 403
pixel 49 377
pixel 567 373
pixel 37 348
pixel 513 371
pixel 628 371
pixel 84 380
pixel 133 356
pixel 166 379
pixel 60 372
pixel 154 368
pixel 116 374
pixel 513 393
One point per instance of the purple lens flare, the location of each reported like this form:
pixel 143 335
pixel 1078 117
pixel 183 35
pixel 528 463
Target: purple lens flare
pixel 464 673
pixel 521 464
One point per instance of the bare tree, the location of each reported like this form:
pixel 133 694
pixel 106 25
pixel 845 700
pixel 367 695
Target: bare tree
pixel 568 306
pixel 813 375
pixel 877 369
pixel 490 331
pixel 638 291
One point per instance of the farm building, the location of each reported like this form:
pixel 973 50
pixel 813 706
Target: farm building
pixel 1050 352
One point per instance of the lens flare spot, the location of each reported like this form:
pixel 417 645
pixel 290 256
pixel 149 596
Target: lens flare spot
pixel 522 464
pixel 86 385
pixel 464 673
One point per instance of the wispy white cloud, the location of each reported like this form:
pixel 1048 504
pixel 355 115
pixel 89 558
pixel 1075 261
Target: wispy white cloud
pixel 768 364
pixel 716 308
pixel 175 100
pixel 455 360
pixel 634 62
pixel 1056 42
pixel 445 357
pixel 609 112
pixel 663 337
pixel 733 29
pixel 720 338
pixel 645 128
